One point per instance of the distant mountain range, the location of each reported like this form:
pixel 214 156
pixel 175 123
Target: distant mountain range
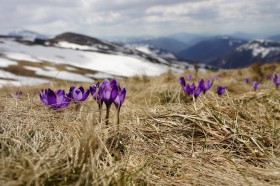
pixel 210 49
pixel 263 51
pixel 228 52
pixel 217 51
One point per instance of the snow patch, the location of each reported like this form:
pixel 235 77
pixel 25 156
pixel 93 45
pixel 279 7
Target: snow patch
pixel 64 75
pixel 144 48
pixel 74 46
pixel 17 80
pixel 6 62
pixel 257 49
pixel 20 57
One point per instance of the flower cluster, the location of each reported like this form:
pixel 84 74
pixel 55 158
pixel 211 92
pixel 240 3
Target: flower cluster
pixel 192 89
pixel 107 92
pixel 255 84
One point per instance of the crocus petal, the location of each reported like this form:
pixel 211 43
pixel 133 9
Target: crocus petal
pixel 51 97
pixel 197 92
pixel 60 97
pixel 106 94
pixel 114 92
pixel 256 85
pixel 201 85
pixel 65 103
pixel 209 84
pixel 221 90
pixel 105 82
pixel 276 80
pixel 77 94
pixel 117 101
pixel 113 82
pixel 85 94
pixel 246 80
pixel 44 98
pixel 93 89
pixel 188 89
pixel 60 92
pixel 122 95
pixel 72 88
pixel 269 76
pixel 182 81
pixel 82 89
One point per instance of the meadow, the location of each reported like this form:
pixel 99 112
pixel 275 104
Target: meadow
pixel 164 137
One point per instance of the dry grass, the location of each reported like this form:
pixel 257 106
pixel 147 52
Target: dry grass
pixel 164 137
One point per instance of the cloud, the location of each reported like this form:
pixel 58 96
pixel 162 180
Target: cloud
pixel 140 17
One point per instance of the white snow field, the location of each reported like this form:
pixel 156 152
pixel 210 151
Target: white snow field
pixel 120 65
pixel 106 65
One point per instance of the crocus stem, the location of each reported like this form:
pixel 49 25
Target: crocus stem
pixel 107 114
pixel 100 115
pixel 100 112
pixel 78 106
pixel 118 117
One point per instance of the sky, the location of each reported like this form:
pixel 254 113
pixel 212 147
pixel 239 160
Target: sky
pixel 141 17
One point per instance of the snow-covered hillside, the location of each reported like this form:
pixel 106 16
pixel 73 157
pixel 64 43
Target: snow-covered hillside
pixel 260 48
pixel 263 51
pixel 155 52
pixel 80 63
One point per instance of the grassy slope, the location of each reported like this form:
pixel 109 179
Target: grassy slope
pixel 164 138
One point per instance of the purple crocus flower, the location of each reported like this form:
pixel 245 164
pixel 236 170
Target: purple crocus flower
pixel 93 89
pixel 120 97
pixel 182 82
pixel 189 89
pixel 189 77
pixel 205 86
pixel 276 80
pixel 196 92
pixel 55 100
pixel 192 89
pixel 109 91
pixel 208 84
pixel 256 85
pixel 78 94
pixel 269 76
pixel 221 90
pixel 96 94
pixel 16 95
pixel 119 100
pixel 246 80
